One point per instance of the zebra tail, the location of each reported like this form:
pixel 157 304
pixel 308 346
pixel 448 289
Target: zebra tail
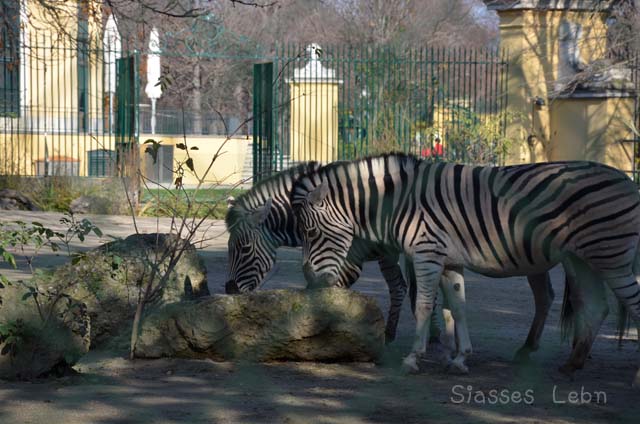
pixel 623 322
pixel 567 315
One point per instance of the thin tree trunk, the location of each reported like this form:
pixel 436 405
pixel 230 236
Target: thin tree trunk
pixel 196 103
pixel 135 329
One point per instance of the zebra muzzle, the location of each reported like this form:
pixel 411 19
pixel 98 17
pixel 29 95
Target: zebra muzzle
pixel 315 280
pixel 231 287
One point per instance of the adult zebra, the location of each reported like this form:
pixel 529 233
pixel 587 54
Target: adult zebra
pixel 498 221
pixel 262 219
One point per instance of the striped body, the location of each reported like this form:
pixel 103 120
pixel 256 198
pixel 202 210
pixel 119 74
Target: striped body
pixel 261 220
pixel 498 221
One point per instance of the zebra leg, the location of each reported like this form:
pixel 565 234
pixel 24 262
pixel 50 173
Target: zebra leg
pixel 452 284
pixel 589 302
pixel 543 295
pixel 436 322
pixel 397 291
pixel 428 271
pixel 627 290
pixel 448 337
pixel 434 329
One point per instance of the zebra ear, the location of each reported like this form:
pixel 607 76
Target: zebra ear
pixel 231 202
pixel 260 214
pixel 319 193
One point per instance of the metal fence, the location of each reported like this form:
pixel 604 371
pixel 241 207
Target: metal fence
pixel 341 102
pixel 189 122
pixel 67 107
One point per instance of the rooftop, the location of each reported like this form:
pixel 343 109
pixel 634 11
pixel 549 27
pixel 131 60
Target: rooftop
pixel 551 4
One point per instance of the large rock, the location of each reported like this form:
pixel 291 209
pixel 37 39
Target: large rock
pixel 108 280
pixel 37 343
pixel 13 200
pixel 314 325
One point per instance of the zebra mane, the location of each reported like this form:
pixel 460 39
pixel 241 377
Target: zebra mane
pixel 400 157
pixel 248 200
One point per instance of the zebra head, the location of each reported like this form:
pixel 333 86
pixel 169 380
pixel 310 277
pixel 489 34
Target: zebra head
pixel 325 230
pixel 252 248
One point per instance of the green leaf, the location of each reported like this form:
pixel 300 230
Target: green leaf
pixel 27 295
pixel 97 231
pixel 194 148
pixel 181 146
pixel 153 151
pixel 9 258
pixel 77 257
pixel 189 164
pixel 6 349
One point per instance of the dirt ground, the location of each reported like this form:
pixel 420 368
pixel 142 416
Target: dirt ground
pixel 110 389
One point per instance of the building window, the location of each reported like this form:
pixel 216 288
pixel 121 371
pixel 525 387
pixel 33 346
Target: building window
pixel 9 57
pixel 83 64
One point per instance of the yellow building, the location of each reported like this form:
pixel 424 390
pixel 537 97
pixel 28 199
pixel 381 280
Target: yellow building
pixel 51 97
pixel 69 102
pixel 572 100
pixel 313 127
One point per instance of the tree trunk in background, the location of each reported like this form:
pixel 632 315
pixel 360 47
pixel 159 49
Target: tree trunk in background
pixel 196 100
pixel 196 103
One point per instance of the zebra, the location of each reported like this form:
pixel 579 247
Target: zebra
pixel 261 220
pixel 497 221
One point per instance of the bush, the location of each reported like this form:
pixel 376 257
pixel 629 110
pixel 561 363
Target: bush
pixel 55 194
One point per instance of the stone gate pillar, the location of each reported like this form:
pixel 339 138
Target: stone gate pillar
pixel 313 122
pixel 569 101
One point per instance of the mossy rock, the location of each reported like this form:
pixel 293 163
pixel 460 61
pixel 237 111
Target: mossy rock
pixel 108 280
pixel 329 325
pixel 40 341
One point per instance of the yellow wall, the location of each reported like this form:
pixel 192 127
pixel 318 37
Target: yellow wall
pixel 227 169
pixel 50 71
pixel 314 121
pixel 532 38
pixel 24 150
pixel 29 149
pixel 592 129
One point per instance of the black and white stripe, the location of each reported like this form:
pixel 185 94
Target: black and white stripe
pixel 498 221
pixel 261 220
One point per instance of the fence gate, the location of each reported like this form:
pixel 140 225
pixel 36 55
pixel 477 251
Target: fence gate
pixel 328 103
pixel 264 153
pixel 127 103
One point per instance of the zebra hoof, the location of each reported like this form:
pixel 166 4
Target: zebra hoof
pixel 567 370
pixel 457 366
pixel 410 364
pixel 444 355
pixel 522 356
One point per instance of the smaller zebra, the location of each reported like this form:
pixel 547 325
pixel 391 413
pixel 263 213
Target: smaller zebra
pixel 261 220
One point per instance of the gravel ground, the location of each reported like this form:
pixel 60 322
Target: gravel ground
pixel 110 389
